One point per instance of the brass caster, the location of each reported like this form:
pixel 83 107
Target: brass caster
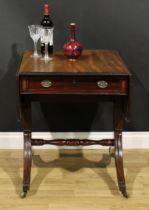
pixel 112 152
pixel 23 194
pixel 125 194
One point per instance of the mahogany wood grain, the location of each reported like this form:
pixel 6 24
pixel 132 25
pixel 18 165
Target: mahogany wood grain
pixel 96 73
pixel 118 124
pixel 73 85
pixel 73 142
pixel 92 62
pixel 26 119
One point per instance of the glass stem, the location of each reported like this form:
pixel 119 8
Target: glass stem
pixel 46 51
pixel 35 48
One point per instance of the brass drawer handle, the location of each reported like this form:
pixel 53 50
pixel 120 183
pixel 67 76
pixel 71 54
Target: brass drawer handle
pixel 46 83
pixel 102 84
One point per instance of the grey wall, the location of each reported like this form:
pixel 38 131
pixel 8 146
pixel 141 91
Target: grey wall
pixel 118 24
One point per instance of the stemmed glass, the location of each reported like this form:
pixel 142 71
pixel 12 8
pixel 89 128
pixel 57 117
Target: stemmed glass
pixel 34 31
pixel 46 35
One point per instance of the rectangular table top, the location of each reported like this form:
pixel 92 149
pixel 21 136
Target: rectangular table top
pixel 92 62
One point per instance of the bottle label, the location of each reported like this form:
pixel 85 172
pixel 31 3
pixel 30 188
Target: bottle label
pixel 51 38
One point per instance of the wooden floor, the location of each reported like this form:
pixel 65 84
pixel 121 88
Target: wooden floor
pixel 74 180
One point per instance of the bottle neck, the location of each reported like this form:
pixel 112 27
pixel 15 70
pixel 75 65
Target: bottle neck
pixel 73 36
pixel 73 32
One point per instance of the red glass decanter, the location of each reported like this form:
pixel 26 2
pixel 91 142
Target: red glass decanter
pixel 72 49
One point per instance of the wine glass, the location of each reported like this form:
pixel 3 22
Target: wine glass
pixel 46 35
pixel 34 31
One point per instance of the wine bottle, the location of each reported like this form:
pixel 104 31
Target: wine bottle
pixel 47 22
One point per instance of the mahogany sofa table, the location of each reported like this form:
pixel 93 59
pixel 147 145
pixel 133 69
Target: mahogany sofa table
pixel 97 73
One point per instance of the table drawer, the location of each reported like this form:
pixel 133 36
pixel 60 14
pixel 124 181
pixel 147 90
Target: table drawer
pixel 48 85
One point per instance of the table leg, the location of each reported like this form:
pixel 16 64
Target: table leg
pixel 118 146
pixel 26 117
